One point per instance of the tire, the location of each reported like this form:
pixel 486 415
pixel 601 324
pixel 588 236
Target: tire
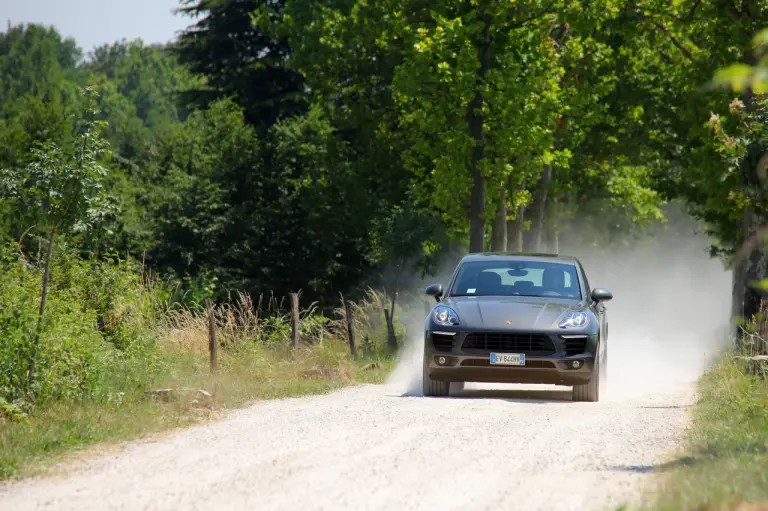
pixel 455 386
pixel 434 388
pixel 590 391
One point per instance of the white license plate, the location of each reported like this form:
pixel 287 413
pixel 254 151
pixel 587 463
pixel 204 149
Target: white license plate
pixel 508 359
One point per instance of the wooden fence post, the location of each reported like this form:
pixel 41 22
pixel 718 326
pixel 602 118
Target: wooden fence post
pixel 212 344
pixel 391 338
pixel 295 323
pixel 350 330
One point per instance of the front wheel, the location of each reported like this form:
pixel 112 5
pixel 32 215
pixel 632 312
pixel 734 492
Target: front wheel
pixel 590 391
pixel 434 388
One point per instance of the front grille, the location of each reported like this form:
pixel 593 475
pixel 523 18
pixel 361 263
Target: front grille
pixel 530 364
pixel 512 342
pixel 442 342
pixel 575 346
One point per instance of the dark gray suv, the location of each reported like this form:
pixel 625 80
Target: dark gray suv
pixel 517 318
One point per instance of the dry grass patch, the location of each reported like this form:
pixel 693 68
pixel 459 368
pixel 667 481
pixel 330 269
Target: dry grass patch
pixel 33 444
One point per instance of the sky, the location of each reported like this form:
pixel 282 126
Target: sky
pixel 95 22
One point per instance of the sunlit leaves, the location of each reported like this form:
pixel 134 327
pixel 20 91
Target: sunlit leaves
pixel 739 77
pixel 62 189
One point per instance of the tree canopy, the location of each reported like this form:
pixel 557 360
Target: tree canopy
pixel 324 146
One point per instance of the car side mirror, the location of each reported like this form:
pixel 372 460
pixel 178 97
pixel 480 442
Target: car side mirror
pixel 435 290
pixel 601 295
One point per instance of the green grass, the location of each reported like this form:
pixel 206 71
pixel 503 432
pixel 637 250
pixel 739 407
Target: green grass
pixel 725 459
pixel 33 444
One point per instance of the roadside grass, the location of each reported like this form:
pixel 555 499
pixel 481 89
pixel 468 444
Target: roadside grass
pixel 725 460
pixel 122 355
pixel 31 445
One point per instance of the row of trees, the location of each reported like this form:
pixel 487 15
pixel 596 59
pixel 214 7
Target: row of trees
pixel 313 145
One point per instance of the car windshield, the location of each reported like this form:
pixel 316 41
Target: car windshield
pixel 517 278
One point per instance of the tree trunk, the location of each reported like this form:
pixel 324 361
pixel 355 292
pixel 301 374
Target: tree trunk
pixel 499 235
pixel 389 316
pixel 755 267
pixel 475 125
pixel 43 298
pixel 552 228
pixel 516 225
pixel 539 210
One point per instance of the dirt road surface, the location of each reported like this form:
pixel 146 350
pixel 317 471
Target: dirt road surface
pixel 368 448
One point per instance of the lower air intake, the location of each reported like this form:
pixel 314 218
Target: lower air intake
pixel 442 342
pixel 575 346
pixel 538 344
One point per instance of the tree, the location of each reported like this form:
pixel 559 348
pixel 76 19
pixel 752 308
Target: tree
pixel 150 77
pixel 60 191
pixel 199 208
pixel 238 60
pixel 481 89
pixel 679 47
pixel 38 89
pixel 466 94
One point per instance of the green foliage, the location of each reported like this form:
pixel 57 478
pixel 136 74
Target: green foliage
pixel 667 54
pixel 197 202
pixel 238 60
pixel 327 146
pixel 93 309
pixel 436 83
pixel 60 190
pixel 148 77
pixel 33 60
pixel 741 76
pixel 38 90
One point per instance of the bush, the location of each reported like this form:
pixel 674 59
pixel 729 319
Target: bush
pixel 109 335
pixel 99 321
pixel 108 331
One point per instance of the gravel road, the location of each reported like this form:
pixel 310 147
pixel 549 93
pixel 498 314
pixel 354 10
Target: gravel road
pixel 372 448
pixel 378 447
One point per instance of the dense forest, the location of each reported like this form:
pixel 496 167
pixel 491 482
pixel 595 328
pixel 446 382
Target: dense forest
pixel 311 145
pixel 329 146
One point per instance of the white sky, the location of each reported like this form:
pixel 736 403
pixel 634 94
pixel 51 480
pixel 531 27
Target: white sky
pixel 95 22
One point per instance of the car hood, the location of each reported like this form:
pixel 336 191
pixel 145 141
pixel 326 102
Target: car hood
pixel 511 313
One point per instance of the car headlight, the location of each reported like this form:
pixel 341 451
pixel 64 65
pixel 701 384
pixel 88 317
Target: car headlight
pixel 445 316
pixel 575 319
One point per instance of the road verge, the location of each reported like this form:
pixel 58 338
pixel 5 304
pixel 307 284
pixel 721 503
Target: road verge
pixel 724 464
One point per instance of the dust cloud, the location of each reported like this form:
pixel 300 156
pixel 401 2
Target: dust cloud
pixel 668 319
pixel 405 380
pixel 670 312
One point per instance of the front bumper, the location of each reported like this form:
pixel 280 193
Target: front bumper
pixel 474 365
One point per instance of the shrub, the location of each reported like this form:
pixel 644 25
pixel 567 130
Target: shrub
pixel 99 323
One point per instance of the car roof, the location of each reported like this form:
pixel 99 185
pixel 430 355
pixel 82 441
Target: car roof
pixel 520 256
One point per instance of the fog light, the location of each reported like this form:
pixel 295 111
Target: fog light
pixel 441 361
pixel 576 364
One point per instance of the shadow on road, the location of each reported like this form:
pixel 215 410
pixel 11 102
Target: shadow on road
pixel 642 469
pixel 511 395
pixel 518 396
pixel 668 407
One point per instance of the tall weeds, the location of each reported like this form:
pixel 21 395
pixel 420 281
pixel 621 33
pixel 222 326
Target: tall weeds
pixel 114 336
pixel 112 328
